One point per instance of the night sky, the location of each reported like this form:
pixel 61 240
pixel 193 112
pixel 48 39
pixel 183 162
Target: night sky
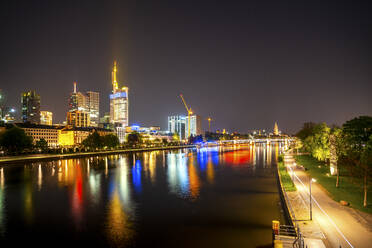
pixel 246 64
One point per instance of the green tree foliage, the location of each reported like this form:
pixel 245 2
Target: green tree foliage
pixel 176 137
pixel 42 144
pixel 316 140
pixel 93 141
pixel 306 131
pixel 134 138
pixel 110 141
pixel 15 140
pixel 357 136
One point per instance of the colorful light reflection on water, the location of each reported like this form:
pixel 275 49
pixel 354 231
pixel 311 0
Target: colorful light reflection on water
pixel 118 200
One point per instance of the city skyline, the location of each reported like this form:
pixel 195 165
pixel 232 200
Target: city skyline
pixel 224 59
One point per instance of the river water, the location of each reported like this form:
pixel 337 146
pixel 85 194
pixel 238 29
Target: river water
pixel 208 197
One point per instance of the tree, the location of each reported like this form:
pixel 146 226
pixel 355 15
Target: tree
pixel 134 138
pixel 306 131
pixel 176 137
pixel 15 140
pixel 94 141
pixel 357 137
pixel 110 141
pixel 164 141
pixel 42 144
pixel 336 150
pixel 317 141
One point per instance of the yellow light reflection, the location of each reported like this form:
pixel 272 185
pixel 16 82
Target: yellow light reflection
pixel 118 226
pixel 193 179
pixel 152 166
pixel 210 171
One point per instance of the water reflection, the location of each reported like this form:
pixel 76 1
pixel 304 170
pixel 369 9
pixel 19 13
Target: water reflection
pixel 27 193
pixel 177 174
pixel 136 176
pixel 117 194
pixel 118 226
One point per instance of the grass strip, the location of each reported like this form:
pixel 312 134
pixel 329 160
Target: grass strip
pixel 286 178
pixel 350 189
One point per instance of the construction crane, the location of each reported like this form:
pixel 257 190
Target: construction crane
pixel 209 119
pixel 189 113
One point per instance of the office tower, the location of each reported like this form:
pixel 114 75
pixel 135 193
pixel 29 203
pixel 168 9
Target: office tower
pixel 118 102
pixel 177 124
pixel 88 103
pixel 30 107
pixel 78 118
pixel 46 118
pixel 93 107
pixel 77 101
pixel 195 125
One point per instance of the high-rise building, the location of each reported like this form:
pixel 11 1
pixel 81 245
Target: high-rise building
pixel 30 107
pixel 119 112
pixel 195 125
pixel 177 124
pixel 46 118
pixel 93 107
pixel 88 103
pixel 78 118
pixel 77 100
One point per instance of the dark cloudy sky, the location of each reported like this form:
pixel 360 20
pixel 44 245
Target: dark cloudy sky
pixel 246 64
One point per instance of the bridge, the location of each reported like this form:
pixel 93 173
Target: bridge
pixel 285 140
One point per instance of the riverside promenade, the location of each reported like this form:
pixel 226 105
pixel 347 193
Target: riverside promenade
pixel 332 224
pixel 42 157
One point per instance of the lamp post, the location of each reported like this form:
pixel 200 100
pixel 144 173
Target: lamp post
pixel 311 208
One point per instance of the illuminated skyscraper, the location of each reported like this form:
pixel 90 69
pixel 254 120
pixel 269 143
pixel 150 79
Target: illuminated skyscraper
pixel 77 101
pixel 177 124
pixel 46 118
pixel 30 107
pixel 195 125
pixel 118 102
pixel 93 107
pixel 87 103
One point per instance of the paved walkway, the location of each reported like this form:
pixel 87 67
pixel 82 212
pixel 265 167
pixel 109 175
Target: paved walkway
pixel 336 225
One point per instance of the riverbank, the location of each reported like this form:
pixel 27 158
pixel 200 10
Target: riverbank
pixel 349 190
pixel 43 157
pixel 332 223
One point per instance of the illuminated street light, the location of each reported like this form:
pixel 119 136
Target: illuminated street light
pixel 311 210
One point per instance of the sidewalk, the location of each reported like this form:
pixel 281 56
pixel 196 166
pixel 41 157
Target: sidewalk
pixel 336 225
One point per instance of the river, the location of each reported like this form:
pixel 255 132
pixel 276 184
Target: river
pixel 208 197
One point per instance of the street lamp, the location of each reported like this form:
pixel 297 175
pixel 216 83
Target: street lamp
pixel 311 210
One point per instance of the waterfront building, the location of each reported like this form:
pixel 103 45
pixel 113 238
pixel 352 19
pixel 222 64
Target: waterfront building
pixel 177 124
pixel 46 118
pixel 78 118
pixel 120 132
pixel 30 107
pixel 119 112
pixel 37 132
pixel 195 125
pixel 93 107
pixel 74 136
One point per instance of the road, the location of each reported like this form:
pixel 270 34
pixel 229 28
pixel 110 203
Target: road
pixel 342 226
